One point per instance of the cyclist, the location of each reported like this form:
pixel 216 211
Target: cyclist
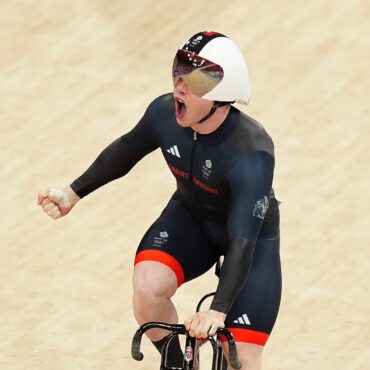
pixel 224 204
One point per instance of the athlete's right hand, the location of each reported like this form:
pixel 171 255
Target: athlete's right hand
pixel 56 203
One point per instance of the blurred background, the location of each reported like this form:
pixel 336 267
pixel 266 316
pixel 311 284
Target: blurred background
pixel 75 75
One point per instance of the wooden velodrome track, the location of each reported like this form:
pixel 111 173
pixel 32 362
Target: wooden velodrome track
pixel 77 74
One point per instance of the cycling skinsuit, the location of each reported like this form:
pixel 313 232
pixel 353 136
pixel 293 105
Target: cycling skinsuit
pixel 224 205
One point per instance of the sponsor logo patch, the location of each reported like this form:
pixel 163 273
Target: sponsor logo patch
pixel 161 239
pixel 261 207
pixel 174 150
pixel 244 320
pixel 206 169
pixel 188 356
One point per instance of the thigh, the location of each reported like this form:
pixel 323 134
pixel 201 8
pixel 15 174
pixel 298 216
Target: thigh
pixel 177 241
pixel 254 312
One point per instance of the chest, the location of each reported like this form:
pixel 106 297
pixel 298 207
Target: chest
pixel 195 164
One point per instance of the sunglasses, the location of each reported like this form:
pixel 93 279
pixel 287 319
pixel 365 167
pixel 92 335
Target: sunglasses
pixel 199 74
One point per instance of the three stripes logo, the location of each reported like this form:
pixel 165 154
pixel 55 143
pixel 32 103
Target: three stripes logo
pixel 243 320
pixel 174 150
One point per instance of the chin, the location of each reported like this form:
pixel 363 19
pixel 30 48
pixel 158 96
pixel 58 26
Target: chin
pixel 183 123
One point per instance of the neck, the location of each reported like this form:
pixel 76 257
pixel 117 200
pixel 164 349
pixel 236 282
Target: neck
pixel 213 122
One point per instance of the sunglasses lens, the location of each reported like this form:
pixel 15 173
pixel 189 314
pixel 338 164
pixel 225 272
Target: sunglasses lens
pixel 199 74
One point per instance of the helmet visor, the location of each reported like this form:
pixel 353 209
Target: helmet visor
pixel 199 74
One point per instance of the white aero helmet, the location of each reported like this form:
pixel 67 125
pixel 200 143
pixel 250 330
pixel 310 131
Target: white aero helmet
pixel 213 68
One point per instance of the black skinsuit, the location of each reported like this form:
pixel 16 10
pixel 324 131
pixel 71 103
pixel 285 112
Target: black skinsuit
pixel 224 205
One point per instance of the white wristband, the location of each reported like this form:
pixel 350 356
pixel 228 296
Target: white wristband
pixel 59 195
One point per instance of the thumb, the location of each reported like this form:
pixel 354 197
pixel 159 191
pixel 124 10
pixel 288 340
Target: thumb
pixel 187 322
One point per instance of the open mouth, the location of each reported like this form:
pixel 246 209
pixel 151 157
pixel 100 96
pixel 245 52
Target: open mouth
pixel 180 108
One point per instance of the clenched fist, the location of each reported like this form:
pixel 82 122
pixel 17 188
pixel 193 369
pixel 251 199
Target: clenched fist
pixel 56 203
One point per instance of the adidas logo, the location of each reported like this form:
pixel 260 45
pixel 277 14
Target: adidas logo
pixel 174 150
pixel 243 320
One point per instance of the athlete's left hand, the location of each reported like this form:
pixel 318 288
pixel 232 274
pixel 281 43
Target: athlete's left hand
pixel 204 324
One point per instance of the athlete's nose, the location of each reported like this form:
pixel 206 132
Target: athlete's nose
pixel 180 86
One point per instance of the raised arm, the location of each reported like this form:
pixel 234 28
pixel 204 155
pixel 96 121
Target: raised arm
pixel 115 161
pixel 121 155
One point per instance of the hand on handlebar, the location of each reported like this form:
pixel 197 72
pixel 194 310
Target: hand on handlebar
pixel 180 329
pixel 204 324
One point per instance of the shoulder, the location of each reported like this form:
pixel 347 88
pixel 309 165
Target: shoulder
pixel 158 112
pixel 157 115
pixel 249 135
pixel 161 103
pixel 253 165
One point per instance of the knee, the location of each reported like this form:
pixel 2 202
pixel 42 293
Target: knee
pixel 152 282
pixel 250 362
pixel 250 356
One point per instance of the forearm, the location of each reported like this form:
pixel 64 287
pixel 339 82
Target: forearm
pixel 113 162
pixel 234 271
pixel 117 159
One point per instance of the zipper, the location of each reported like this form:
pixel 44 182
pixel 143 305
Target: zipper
pixel 197 203
pixel 192 156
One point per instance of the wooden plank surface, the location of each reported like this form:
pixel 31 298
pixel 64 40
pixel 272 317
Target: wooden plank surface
pixel 77 74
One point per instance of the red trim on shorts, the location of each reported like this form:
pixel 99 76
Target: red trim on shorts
pixel 165 258
pixel 248 336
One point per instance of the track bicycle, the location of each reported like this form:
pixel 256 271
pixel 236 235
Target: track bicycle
pixel 192 345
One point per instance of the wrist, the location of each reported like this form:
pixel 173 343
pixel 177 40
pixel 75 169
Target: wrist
pixel 221 307
pixel 73 198
pixel 220 314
